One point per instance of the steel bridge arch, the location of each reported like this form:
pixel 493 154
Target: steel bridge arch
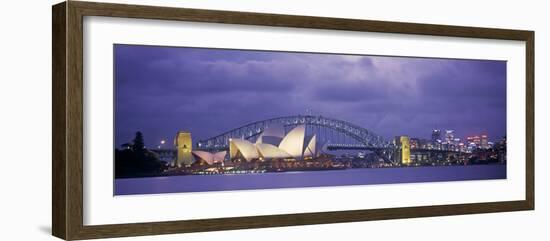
pixel 362 135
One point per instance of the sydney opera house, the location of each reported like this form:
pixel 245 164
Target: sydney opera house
pixel 271 144
pixel 274 144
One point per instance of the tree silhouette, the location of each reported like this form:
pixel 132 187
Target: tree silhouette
pixel 139 144
pixel 136 161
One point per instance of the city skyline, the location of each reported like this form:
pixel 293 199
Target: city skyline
pixel 162 90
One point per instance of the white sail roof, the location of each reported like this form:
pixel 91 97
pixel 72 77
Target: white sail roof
pixel 268 151
pixel 293 142
pixel 244 147
pixel 219 156
pixel 210 158
pixel 310 149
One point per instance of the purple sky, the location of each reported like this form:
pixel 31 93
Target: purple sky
pixel 160 90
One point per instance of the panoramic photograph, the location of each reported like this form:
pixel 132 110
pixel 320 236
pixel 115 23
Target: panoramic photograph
pixel 191 119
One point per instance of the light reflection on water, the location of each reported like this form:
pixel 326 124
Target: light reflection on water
pixel 361 176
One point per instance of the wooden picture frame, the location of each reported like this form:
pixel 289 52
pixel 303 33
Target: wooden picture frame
pixel 67 76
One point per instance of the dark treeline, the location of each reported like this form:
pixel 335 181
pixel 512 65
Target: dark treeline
pixel 134 160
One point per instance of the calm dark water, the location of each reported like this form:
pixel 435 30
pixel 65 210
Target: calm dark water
pixel 172 184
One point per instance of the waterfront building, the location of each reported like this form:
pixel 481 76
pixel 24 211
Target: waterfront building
pixel 423 144
pixel 415 143
pixel 478 141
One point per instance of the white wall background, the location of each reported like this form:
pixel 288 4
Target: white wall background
pixel 25 123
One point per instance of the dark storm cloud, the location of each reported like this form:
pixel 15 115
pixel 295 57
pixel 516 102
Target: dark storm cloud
pixel 160 90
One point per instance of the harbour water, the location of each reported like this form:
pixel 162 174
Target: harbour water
pixel 359 176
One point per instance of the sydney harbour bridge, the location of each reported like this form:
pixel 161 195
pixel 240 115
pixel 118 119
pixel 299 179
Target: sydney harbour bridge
pixel 335 133
pixel 332 134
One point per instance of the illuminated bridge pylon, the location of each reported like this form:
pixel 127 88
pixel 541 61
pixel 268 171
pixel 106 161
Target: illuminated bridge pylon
pixel 329 132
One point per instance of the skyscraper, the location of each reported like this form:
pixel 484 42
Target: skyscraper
pixel 436 138
pixel 449 136
pixel 484 141
pixel 448 143
pixel 477 141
